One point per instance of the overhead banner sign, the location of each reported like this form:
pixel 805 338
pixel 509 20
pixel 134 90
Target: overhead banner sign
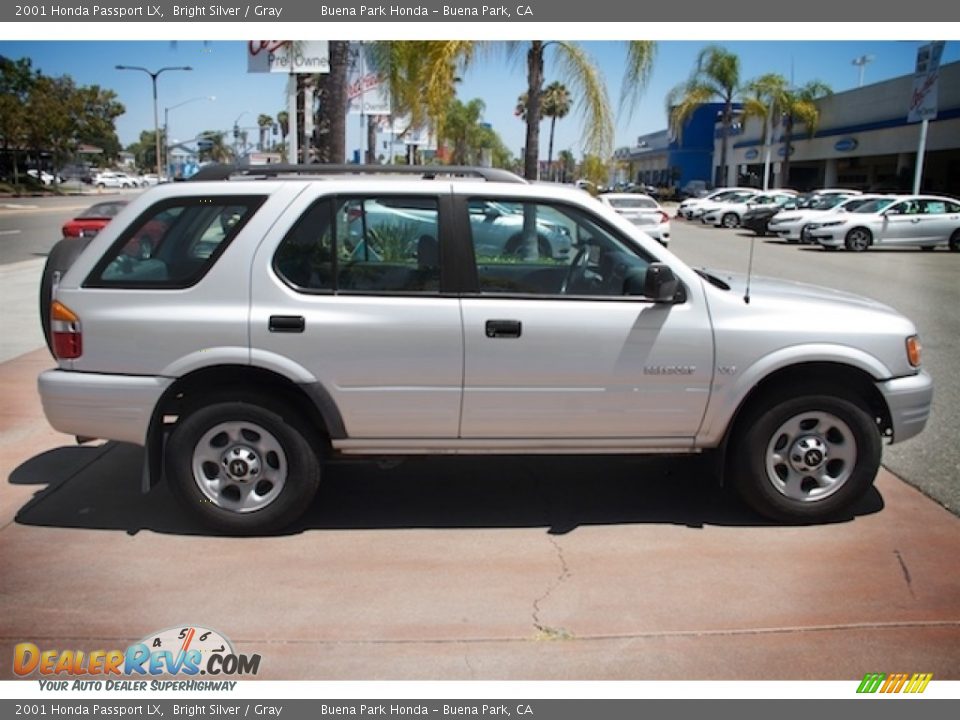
pixel 923 96
pixel 366 92
pixel 288 56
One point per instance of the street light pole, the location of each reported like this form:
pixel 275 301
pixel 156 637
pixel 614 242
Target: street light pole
pixel 166 125
pixel 236 134
pixel 861 63
pixel 156 120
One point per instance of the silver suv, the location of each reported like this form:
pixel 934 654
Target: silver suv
pixel 276 319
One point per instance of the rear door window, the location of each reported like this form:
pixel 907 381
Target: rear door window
pixel 173 244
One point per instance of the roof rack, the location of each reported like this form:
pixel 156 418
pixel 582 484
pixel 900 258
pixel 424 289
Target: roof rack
pixel 426 172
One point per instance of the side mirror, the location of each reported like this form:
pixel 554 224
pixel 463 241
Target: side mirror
pixel 657 283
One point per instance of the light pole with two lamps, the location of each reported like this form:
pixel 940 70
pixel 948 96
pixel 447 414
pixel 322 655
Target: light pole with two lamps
pixel 156 121
pixel 166 125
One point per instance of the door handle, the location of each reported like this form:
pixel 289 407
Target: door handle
pixel 286 323
pixel 503 328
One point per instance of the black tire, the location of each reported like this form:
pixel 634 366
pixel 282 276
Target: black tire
pixel 61 257
pixel 775 448
pixel 955 241
pixel 858 239
pixel 730 221
pixel 280 467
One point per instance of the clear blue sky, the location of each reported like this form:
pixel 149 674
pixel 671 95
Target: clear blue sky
pixel 220 69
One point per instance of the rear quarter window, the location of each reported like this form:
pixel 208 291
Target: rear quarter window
pixel 174 243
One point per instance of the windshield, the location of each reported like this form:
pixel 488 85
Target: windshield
pixel 873 206
pixel 102 210
pixel 823 203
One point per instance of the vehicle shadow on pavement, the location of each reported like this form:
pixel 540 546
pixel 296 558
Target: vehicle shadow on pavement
pixel 99 488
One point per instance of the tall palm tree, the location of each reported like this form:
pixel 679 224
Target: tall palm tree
pixel 264 122
pixel 556 106
pixel 799 106
pixel 763 99
pixel 578 71
pixel 716 75
pixel 330 119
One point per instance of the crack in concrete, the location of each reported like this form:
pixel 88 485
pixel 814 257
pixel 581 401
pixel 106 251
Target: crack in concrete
pixel 545 632
pixel 653 634
pixel 906 572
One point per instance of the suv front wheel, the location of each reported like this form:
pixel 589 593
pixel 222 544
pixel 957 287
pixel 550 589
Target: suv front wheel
pixel 807 458
pixel 242 466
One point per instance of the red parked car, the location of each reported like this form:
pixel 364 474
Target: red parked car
pixel 93 219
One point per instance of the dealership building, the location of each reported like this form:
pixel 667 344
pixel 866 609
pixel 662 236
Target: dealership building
pixel 863 141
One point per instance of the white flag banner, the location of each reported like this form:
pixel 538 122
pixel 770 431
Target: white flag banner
pixel 923 96
pixel 288 56
pixel 367 94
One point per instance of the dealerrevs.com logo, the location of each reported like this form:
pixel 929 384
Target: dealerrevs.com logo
pixel 894 683
pixel 179 651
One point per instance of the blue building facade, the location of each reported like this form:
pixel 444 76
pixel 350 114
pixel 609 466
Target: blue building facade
pixel 664 160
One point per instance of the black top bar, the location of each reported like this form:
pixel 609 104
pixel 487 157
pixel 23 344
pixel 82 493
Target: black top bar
pixel 427 172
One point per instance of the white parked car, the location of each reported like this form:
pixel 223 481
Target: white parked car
pixel 643 211
pixel 790 224
pixel 690 206
pixel 110 179
pixel 43 176
pixel 730 212
pixel 923 221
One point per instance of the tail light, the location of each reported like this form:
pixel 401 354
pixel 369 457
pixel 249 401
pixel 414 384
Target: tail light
pixel 66 331
pixel 664 217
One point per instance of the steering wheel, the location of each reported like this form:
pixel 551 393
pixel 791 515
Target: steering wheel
pixel 577 271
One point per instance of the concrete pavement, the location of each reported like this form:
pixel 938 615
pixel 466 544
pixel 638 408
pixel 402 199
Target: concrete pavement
pixel 480 568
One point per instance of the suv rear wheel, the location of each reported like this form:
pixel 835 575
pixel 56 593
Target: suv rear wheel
pixel 243 466
pixel 806 458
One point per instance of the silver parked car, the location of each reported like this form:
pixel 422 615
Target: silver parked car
pixel 923 221
pixel 252 341
pixel 643 211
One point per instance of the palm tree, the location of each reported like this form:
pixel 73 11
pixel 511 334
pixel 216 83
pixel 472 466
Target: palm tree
pixel 264 122
pixel 421 76
pixel 579 72
pixel 716 75
pixel 798 105
pixel 568 165
pixel 218 151
pixel 762 99
pixel 556 105
pixel 330 120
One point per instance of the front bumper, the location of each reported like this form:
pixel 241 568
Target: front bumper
pixel 110 407
pixel 826 238
pixel 909 400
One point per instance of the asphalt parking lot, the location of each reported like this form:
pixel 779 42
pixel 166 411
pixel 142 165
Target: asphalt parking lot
pixel 491 568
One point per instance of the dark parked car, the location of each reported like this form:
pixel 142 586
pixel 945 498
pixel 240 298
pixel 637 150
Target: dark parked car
pixel 758 217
